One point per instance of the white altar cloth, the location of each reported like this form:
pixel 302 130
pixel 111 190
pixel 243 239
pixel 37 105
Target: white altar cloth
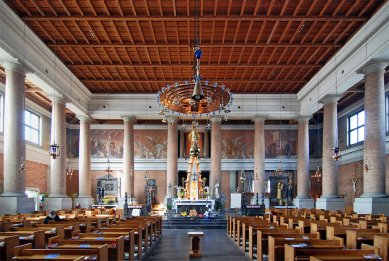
pixel 189 202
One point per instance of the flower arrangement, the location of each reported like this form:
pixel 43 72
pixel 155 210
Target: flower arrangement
pixel 109 199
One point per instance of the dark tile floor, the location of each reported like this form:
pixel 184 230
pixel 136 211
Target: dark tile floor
pixel 215 245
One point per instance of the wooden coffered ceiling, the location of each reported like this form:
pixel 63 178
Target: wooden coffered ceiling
pixel 134 46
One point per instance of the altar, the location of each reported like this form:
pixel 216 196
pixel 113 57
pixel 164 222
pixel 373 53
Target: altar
pixel 200 204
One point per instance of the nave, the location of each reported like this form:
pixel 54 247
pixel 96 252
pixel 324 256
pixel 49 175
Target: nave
pixel 215 245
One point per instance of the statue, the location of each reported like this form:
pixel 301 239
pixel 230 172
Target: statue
pixel 280 187
pixel 354 181
pixel 217 185
pixel 194 148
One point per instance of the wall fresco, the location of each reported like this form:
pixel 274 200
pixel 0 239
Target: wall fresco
pixel 237 144
pixel 280 144
pixel 150 144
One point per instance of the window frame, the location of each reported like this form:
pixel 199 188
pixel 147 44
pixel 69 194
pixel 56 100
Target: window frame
pixel 357 128
pixel 29 126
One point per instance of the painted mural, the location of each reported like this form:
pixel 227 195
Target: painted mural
pixel 72 143
pixel 280 143
pixel 150 144
pixel 106 143
pixel 237 144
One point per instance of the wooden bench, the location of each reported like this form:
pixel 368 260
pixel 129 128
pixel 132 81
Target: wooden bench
pixel 355 238
pixel 300 252
pixel 115 243
pixel 7 245
pixel 37 238
pixel 99 250
pixel 276 243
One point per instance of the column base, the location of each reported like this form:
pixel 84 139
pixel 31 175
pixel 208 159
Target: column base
pixel 54 203
pixel 371 206
pixel 15 205
pixel 85 202
pixel 331 203
pixel 304 203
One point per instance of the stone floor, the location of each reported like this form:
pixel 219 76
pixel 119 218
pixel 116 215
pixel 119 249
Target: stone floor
pixel 215 245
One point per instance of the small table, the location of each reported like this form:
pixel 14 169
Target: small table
pixel 195 243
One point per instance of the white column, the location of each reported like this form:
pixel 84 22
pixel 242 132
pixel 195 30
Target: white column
pixel 303 158
pixel 302 199
pixel 214 176
pixel 374 199
pixel 57 198
pixel 14 143
pixel 14 199
pixel 172 157
pixel 259 154
pixel 330 199
pixel 84 162
pixel 128 156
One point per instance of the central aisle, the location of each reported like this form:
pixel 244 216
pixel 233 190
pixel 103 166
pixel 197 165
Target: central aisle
pixel 215 245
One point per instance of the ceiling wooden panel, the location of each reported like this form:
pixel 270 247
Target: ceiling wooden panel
pixel 250 46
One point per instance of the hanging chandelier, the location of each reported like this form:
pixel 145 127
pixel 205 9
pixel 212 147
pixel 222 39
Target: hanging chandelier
pixel 197 97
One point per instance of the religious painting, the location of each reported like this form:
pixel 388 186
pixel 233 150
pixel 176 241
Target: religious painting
pixel 72 143
pixel 280 143
pixel 200 143
pixel 150 144
pixel 106 143
pixel 237 144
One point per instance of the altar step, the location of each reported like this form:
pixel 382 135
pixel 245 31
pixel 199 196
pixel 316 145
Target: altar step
pixel 194 223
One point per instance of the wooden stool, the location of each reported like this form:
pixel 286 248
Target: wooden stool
pixel 195 243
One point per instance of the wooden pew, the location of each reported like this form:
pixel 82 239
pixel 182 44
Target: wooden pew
pixel 129 240
pixel 276 243
pixel 37 238
pixel 294 252
pixel 99 251
pixel 259 238
pixel 115 243
pixel 354 238
pixel 352 256
pixel 382 243
pixel 7 245
pixel 245 234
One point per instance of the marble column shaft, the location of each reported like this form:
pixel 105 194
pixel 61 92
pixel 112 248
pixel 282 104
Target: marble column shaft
pixel 215 152
pixel 182 143
pixel 330 134
pixel 128 156
pixel 172 156
pixel 58 135
pixel 14 143
pixel 206 144
pixel 374 146
pixel 259 155
pixel 303 158
pixel 84 178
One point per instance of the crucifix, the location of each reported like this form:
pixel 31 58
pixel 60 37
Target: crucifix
pixel 355 179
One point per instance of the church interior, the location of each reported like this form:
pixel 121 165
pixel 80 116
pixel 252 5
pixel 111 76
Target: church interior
pixel 143 116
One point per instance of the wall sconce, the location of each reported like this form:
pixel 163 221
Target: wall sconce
pixel 366 167
pixel 54 150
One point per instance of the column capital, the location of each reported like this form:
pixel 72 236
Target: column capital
pixel 84 118
pixel 128 118
pixel 374 65
pixel 14 67
pixel 216 119
pixel 259 118
pixel 303 118
pixel 57 98
pixel 330 98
